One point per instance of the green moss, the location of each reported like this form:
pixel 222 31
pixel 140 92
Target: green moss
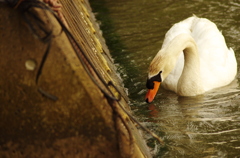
pixel 106 24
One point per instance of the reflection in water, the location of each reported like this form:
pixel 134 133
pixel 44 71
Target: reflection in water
pixel 153 111
pixel 203 126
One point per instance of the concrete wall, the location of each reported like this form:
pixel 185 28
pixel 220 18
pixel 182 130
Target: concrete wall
pixel 49 105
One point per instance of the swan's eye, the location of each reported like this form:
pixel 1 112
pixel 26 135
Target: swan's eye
pixel 150 84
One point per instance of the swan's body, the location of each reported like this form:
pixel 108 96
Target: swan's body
pixel 193 59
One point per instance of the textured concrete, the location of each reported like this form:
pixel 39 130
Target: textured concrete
pixel 81 122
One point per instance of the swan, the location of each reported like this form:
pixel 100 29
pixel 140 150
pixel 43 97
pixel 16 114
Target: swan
pixel 193 59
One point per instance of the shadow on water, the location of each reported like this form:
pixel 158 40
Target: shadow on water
pixel 202 126
pixel 113 40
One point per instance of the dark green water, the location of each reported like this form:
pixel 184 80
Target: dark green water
pixel 205 126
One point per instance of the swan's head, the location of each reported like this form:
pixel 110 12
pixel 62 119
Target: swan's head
pixel 159 69
pixel 153 84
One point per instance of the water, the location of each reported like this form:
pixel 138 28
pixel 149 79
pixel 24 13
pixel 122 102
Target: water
pixel 203 126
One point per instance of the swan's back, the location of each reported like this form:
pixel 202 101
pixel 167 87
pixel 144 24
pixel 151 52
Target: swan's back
pixel 217 63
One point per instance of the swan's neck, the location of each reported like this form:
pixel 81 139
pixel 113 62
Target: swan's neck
pixel 190 82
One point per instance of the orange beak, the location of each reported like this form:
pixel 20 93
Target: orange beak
pixel 152 92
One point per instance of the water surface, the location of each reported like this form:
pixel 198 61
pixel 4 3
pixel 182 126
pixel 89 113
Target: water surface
pixel 203 126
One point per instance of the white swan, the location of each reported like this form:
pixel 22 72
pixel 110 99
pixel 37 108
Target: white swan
pixel 193 59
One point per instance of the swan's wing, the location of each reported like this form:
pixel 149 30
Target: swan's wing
pixel 210 41
pixel 217 61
